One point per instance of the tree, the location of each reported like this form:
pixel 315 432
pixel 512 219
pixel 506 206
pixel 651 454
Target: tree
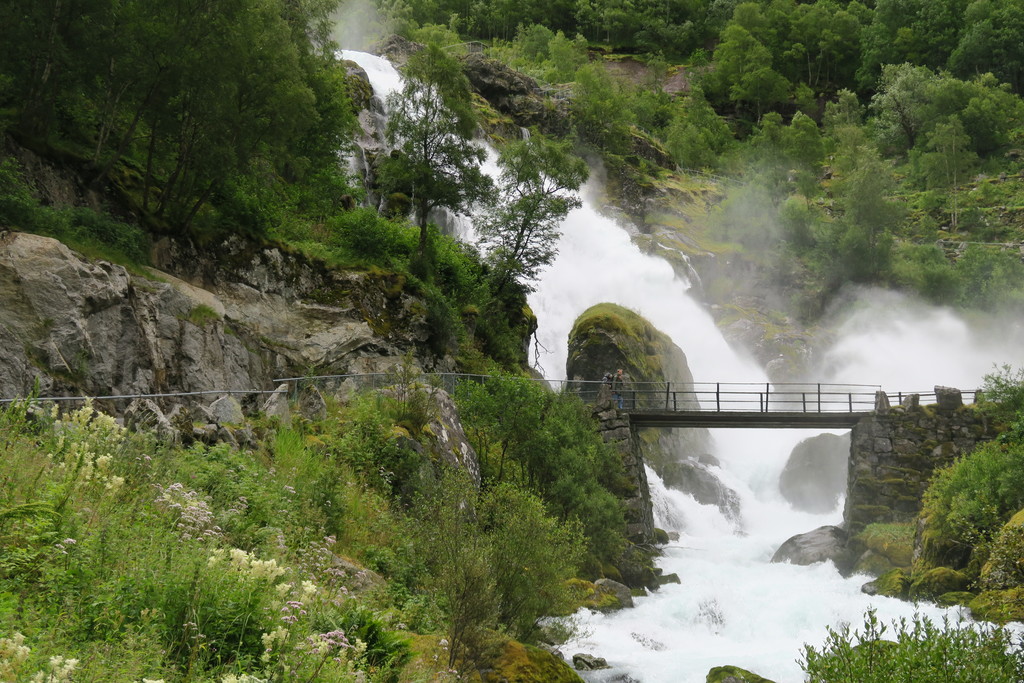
pixel 744 72
pixel 950 160
pixel 600 112
pixel 431 127
pixel 539 179
pixel 991 42
pixel 900 103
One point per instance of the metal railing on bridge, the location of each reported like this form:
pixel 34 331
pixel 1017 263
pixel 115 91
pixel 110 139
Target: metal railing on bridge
pixel 638 398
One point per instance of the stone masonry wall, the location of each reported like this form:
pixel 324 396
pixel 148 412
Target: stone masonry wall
pixel 615 430
pixel 894 452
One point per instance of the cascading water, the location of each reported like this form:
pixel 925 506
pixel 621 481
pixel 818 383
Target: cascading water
pixel 733 606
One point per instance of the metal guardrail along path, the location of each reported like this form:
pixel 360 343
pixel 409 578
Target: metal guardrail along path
pixel 649 404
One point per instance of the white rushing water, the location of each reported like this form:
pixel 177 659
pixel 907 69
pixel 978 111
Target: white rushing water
pixel 733 606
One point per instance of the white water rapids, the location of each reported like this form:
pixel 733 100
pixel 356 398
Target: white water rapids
pixel 733 606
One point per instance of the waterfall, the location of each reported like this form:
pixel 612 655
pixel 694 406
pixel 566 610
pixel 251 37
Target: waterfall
pixel 732 606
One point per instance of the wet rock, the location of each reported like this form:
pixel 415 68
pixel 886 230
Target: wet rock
pixel 587 662
pixel 826 543
pixel 698 480
pixel 620 591
pixel 814 477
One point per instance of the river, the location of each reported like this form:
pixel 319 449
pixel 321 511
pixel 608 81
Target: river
pixel 733 606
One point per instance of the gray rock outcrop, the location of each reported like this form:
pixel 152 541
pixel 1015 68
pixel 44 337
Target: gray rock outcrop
pixel 607 337
pixel 814 477
pixel 698 480
pixel 820 545
pixel 234 322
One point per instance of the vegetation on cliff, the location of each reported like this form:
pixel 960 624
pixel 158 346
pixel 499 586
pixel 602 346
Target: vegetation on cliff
pixel 855 143
pixel 336 550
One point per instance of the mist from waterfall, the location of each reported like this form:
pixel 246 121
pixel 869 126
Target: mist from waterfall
pixel 733 606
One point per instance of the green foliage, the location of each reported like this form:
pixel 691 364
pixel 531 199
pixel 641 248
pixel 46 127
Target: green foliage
pixel 532 555
pixel 922 650
pixel 1004 569
pixel 539 181
pixel 431 124
pixel 696 136
pixel 968 501
pixel 599 110
pixel 992 278
pixel 181 108
pixel 545 442
pixel 1004 392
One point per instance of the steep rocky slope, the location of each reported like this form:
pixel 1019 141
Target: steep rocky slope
pixel 197 322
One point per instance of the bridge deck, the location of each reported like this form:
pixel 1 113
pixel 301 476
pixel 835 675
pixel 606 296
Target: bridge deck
pixel 752 420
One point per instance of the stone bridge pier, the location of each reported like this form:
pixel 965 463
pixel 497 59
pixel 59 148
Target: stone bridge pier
pixel 895 450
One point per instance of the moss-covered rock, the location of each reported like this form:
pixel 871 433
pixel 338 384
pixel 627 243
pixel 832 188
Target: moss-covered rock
pixel 733 674
pixel 954 598
pixel 1004 566
pixel 591 596
pixel 999 606
pixel 893 584
pixel 607 337
pixel 894 542
pixel 935 582
pixel 872 564
pixel 518 663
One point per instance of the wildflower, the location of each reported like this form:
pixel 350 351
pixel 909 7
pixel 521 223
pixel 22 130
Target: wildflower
pixel 13 653
pixel 309 591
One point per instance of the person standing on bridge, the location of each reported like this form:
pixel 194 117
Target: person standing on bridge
pixel 618 383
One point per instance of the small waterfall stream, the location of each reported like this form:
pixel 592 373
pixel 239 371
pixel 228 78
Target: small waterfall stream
pixel 733 606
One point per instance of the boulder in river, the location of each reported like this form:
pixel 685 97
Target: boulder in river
pixel 815 475
pixel 823 544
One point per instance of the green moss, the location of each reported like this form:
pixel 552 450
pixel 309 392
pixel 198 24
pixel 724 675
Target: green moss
pixel 954 598
pixel 520 663
pixel 588 595
pixel 893 584
pixel 201 315
pixel 999 606
pixel 733 674
pixel 936 582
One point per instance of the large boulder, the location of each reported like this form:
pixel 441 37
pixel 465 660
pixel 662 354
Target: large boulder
pixel 733 674
pixel 826 543
pixel 607 337
pixel 515 94
pixel 518 662
pixel 814 477
pixel 694 477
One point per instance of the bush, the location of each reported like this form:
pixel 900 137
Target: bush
pixel 1004 393
pixel 547 444
pixel 922 651
pixel 968 501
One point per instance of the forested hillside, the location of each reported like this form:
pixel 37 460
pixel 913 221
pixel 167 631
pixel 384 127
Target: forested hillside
pixel 877 143
pixel 810 146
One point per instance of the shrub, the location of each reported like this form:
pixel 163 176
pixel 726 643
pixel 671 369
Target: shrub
pixel 921 651
pixel 968 501
pixel 1004 393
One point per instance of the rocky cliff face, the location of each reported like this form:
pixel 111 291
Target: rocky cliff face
pixel 607 337
pixel 196 322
